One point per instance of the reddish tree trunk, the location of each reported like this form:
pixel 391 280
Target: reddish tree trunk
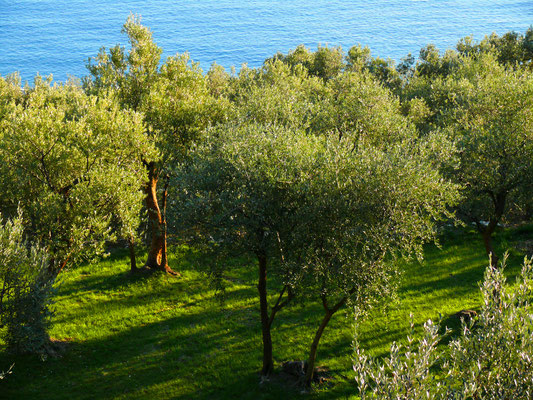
pixel 55 269
pixel 157 253
pixel 268 363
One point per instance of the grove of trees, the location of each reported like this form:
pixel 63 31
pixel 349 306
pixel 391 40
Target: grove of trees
pixel 324 167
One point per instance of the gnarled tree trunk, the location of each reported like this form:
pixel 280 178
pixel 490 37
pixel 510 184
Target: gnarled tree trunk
pixel 157 253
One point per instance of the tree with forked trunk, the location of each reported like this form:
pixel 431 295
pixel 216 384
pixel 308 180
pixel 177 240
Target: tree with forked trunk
pixel 366 206
pixel 485 106
pixel 319 216
pixel 176 104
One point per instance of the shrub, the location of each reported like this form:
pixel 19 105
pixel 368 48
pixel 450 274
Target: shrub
pixel 491 359
pixel 25 291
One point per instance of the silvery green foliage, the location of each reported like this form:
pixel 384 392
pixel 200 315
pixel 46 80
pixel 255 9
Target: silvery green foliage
pixel 71 163
pixel 25 291
pixel 173 97
pixel 486 109
pixel 492 359
pixel 405 374
pixel 311 200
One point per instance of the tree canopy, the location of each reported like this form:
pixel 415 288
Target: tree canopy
pixel 71 162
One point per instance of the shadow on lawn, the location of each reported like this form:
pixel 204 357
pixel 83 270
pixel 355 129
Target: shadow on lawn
pixel 182 357
pixel 192 348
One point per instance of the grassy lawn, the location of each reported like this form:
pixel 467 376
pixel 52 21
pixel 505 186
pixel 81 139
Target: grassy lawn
pixel 159 337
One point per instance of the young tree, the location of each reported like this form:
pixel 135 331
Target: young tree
pixel 71 163
pixel 490 359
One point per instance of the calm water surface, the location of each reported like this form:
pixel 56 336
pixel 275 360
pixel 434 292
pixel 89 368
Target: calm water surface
pixel 57 36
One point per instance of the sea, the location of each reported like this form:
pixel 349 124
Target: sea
pixel 58 36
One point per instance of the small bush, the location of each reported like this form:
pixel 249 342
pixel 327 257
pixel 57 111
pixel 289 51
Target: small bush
pixel 491 359
pixel 25 291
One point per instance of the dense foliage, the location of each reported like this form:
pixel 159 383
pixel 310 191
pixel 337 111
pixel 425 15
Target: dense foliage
pixel 486 110
pixel 175 105
pixel 491 359
pixel 26 291
pixel 72 163
pixel 324 167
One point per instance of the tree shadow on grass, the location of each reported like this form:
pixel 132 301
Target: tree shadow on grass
pixel 183 357
pixel 197 349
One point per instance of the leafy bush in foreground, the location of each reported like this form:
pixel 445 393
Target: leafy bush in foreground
pixel 25 291
pixel 490 360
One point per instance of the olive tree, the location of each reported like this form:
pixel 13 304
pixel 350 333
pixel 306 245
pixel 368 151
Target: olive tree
pixel 176 104
pixel 71 163
pixel 239 194
pixel 321 214
pixel 511 48
pixel 26 287
pixel 325 63
pixel 366 206
pixel 357 105
pixel 276 94
pixel 488 112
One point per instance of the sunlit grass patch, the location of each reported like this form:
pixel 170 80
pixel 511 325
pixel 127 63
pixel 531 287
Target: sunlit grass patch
pixel 147 337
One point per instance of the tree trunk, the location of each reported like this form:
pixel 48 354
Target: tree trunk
pixel 164 253
pixel 133 260
pixel 268 363
pixel 498 200
pixel 309 372
pixel 55 269
pixel 310 365
pixel 157 253
pixel 487 240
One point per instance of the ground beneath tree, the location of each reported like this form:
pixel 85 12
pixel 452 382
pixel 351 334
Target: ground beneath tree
pixel 292 375
pixel 56 348
pixel 134 336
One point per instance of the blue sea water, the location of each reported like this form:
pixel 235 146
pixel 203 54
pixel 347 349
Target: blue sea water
pixel 57 36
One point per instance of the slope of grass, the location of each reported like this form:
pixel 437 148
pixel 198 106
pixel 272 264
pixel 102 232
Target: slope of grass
pixel 159 337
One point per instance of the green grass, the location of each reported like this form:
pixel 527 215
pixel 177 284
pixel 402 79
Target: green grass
pixel 159 337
